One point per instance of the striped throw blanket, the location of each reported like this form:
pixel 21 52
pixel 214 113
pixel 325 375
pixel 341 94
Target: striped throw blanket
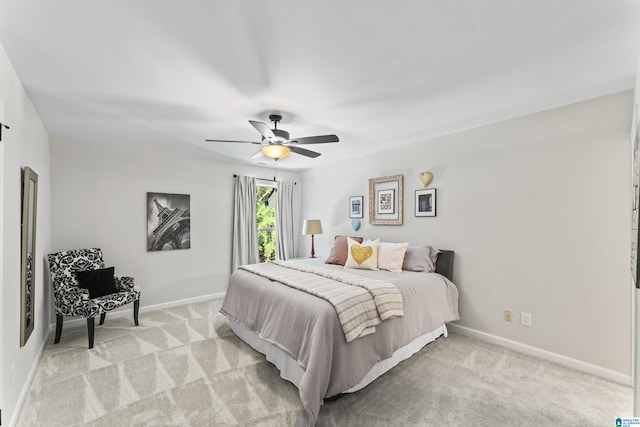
pixel 360 303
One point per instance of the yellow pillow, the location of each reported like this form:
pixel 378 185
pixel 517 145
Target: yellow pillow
pixel 362 255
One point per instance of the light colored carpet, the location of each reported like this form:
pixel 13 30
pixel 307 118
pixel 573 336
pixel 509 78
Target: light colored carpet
pixel 183 366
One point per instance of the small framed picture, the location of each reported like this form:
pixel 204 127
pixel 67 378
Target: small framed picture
pixel 385 201
pixel 426 202
pixel 355 207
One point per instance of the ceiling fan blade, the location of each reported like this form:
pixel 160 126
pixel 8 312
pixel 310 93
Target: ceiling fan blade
pixel 322 139
pixel 303 151
pixel 258 155
pixel 228 140
pixel 263 128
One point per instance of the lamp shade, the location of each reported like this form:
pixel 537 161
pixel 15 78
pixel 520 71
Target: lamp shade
pixel 312 226
pixel 275 151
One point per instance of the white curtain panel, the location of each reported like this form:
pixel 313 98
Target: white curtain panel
pixel 285 220
pixel 245 227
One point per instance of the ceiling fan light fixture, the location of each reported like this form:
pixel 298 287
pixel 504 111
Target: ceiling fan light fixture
pixel 275 151
pixel 277 143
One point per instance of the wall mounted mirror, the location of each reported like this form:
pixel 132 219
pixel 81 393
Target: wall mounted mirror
pixel 28 273
pixel 635 212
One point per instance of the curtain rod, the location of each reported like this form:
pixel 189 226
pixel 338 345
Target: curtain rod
pixel 265 179
pixel 2 125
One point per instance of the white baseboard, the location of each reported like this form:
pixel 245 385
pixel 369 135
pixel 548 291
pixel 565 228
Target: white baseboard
pixel 128 310
pixel 191 300
pixel 27 384
pixel 579 365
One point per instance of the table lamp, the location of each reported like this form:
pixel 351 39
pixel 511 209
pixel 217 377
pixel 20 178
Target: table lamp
pixel 313 227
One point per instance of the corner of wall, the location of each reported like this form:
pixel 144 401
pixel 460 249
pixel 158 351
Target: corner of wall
pixel 26 143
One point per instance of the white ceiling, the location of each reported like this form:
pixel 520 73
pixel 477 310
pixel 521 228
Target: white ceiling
pixel 379 74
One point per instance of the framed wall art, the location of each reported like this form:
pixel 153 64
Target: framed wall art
pixel 426 202
pixel 385 200
pixel 356 208
pixel 168 221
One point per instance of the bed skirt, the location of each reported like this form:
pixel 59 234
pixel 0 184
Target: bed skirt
pixel 291 371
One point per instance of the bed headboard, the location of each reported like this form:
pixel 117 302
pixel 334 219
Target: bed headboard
pixel 444 264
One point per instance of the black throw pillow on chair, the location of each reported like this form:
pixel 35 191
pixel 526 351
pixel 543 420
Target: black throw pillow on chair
pixel 98 282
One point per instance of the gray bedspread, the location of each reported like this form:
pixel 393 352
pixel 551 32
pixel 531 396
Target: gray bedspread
pixel 307 327
pixel 360 302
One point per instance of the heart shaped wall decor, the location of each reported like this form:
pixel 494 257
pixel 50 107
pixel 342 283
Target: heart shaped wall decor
pixel 425 178
pixel 355 224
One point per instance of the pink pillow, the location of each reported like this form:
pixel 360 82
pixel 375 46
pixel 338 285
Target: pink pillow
pixel 340 250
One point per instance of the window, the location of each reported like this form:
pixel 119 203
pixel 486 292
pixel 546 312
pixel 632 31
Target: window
pixel 266 220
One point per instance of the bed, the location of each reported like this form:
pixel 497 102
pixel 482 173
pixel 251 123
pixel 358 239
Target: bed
pixel 302 336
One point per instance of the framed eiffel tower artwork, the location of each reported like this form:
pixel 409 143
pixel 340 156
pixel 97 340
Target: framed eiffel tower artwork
pixel 168 221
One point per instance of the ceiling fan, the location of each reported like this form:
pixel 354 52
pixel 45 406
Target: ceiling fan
pixel 276 143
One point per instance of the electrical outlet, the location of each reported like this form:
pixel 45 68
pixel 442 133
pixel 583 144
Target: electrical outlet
pixel 525 319
pixel 508 316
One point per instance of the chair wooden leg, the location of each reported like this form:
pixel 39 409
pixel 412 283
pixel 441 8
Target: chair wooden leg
pixel 91 326
pixel 58 328
pixel 102 316
pixel 136 309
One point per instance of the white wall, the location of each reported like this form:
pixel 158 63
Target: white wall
pixel 99 200
pixel 538 212
pixel 25 144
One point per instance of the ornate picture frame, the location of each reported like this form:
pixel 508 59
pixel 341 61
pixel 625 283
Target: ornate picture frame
pixel 386 200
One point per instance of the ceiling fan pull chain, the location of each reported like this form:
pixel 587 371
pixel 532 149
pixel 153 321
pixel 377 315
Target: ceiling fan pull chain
pixel 275 170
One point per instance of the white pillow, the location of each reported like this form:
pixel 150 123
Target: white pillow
pixel 391 256
pixel 362 255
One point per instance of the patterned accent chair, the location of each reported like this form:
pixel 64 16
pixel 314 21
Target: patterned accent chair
pixel 71 300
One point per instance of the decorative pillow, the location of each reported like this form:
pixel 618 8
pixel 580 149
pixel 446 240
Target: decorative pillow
pixel 420 258
pixel 339 250
pixel 98 282
pixel 391 256
pixel 362 255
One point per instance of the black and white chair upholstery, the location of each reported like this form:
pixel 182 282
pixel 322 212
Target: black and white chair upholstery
pixel 72 300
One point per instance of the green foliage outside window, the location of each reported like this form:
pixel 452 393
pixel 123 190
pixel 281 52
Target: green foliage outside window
pixel 266 219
